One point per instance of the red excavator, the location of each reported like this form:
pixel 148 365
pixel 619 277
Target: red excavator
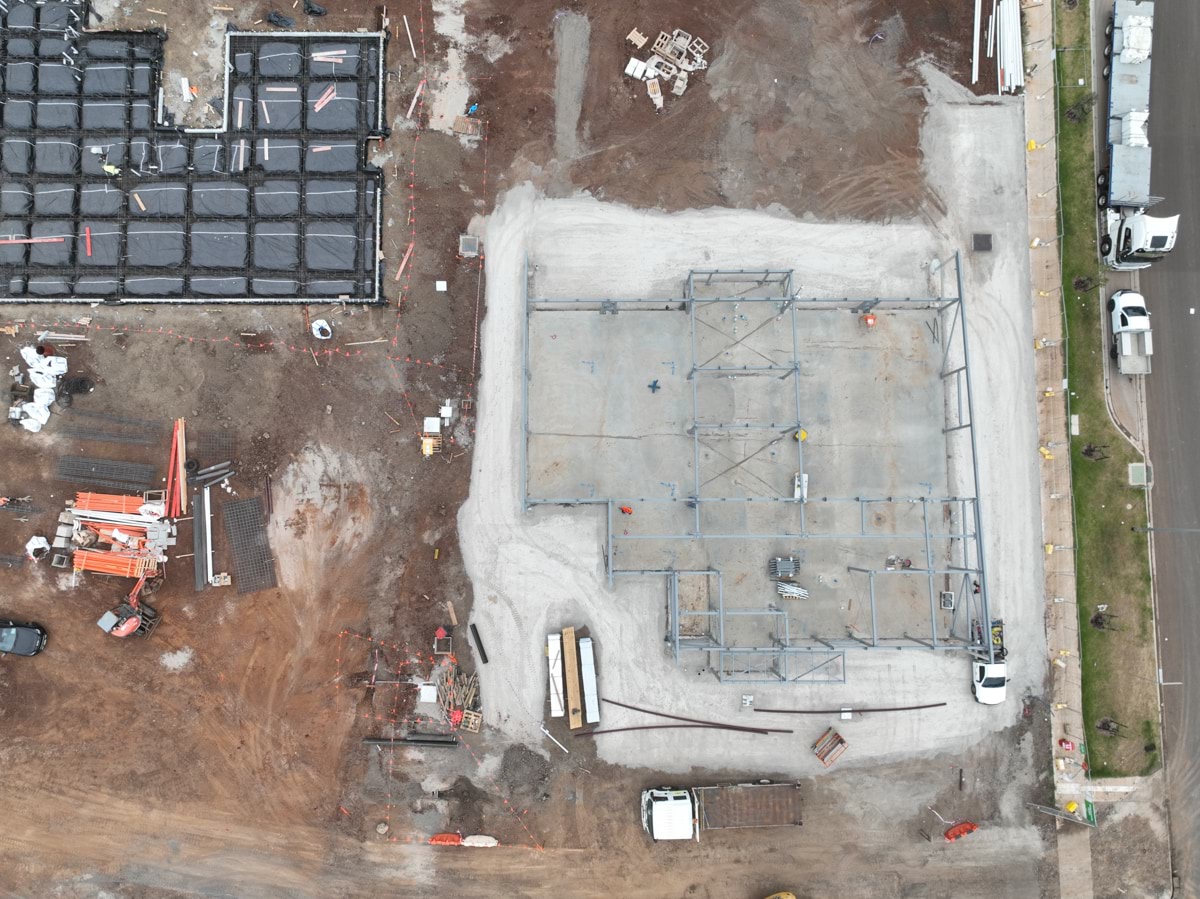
pixel 134 615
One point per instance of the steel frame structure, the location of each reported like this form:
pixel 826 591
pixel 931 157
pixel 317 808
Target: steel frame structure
pixel 791 659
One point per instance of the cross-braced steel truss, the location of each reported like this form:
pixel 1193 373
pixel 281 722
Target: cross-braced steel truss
pixel 727 311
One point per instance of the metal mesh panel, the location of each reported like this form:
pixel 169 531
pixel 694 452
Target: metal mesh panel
pixel 130 477
pixel 245 526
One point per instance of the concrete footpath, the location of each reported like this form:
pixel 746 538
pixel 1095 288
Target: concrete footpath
pixel 1062 619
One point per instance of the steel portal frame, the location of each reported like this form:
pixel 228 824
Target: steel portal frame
pixel 823 657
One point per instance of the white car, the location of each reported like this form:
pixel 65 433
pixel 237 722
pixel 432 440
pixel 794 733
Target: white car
pixel 990 682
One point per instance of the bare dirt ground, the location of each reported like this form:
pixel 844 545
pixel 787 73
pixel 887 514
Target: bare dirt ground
pixel 232 767
pixel 799 108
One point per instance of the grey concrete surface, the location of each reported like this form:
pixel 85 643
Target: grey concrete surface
pixel 1173 406
pixel 571 33
pixel 870 400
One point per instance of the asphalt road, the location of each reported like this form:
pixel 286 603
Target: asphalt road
pixel 1173 415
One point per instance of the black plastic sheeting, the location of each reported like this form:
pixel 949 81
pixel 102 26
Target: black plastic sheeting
pixel 279 206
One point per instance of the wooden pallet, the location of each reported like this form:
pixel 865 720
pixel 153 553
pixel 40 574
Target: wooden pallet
pixel 472 721
pixel 829 747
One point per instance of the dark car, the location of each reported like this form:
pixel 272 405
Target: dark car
pixel 22 639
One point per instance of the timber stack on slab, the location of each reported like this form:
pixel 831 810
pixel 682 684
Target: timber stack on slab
pixel 571 660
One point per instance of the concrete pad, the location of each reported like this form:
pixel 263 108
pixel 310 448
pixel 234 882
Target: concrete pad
pixel 541 570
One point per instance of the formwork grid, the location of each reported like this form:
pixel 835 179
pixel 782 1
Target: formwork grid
pixel 104 199
pixel 950 566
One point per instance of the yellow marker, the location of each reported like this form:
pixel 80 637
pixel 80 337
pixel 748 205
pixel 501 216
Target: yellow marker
pixel 436 552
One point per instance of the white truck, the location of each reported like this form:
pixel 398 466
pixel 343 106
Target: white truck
pixel 1130 238
pixel 989 670
pixel 678 813
pixel 1132 347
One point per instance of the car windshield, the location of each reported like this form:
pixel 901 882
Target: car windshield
pixel 1135 311
pixel 8 638
pixel 994 681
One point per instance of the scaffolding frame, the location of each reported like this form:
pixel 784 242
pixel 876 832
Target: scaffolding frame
pixel 956 565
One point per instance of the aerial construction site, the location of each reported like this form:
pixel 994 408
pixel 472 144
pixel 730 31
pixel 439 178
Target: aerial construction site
pixel 520 450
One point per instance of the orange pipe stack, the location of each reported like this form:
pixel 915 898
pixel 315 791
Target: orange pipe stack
pixel 119 564
pixel 176 472
pixel 108 502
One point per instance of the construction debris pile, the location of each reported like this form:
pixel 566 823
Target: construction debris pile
pixel 31 401
pixel 126 536
pixel 432 427
pixel 673 57
pixel 458 697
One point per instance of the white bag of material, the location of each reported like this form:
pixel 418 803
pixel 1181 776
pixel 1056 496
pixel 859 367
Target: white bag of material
pixel 54 365
pixel 44 396
pixel 30 425
pixel 40 414
pixel 41 379
pixel 480 841
pixel 37 547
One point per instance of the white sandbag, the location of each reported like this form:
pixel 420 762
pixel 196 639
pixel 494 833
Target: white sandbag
pixel 29 354
pixel 30 425
pixel 44 396
pixel 41 379
pixel 38 413
pixel 55 365
pixel 480 841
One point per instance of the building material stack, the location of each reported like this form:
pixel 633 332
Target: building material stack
pixel 458 696
pixel 672 57
pixel 574 692
pixel 126 536
pixel 177 501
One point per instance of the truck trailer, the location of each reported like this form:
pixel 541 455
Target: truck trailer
pixel 678 813
pixel 1130 239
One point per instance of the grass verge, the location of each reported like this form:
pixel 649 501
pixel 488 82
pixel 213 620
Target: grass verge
pixel 1119 680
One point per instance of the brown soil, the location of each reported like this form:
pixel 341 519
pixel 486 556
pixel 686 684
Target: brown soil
pixel 241 772
pixel 799 107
